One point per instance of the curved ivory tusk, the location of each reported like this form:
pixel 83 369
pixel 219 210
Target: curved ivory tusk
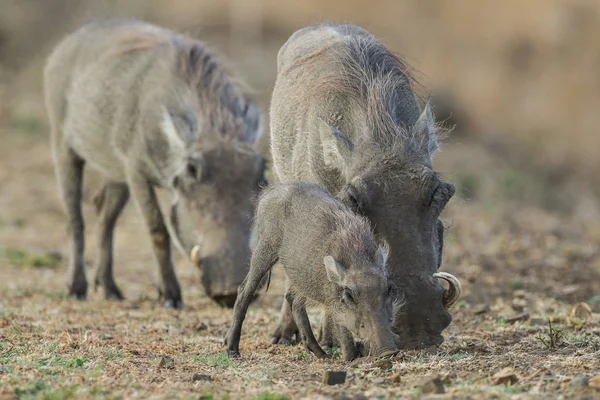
pixel 452 294
pixel 195 256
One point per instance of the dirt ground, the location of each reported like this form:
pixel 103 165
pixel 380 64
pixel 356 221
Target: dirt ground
pixel 521 268
pixel 521 235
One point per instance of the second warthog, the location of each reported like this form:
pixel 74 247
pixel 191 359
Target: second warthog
pixel 344 116
pixel 149 108
pixel 331 258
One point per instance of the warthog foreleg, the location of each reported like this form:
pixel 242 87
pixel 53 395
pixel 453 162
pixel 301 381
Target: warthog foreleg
pixel 146 201
pixel 327 334
pixel 109 203
pixel 346 341
pixel 69 171
pixel 263 259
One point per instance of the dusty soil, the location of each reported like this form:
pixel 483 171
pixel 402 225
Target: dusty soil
pixel 522 266
pixel 512 261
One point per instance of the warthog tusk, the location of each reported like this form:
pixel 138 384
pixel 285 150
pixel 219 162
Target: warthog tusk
pixel 195 256
pixel 452 294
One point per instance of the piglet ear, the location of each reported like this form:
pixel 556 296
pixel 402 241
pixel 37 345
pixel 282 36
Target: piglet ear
pixel 334 272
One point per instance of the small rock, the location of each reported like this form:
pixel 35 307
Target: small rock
pixel 505 377
pixel 519 304
pixel 431 385
pixel 167 362
pixel 396 378
pixel 432 350
pixel 201 377
pixel 580 313
pixel 579 382
pixel 334 377
pixel 481 309
pixel 384 364
pixel 201 327
pixel 378 381
pixel 520 317
pixel 595 382
pixel 107 336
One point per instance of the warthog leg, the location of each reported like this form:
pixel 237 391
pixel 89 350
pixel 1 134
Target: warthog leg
pixel 301 317
pixel 327 335
pixel 287 328
pixel 109 203
pixel 69 171
pixel 346 341
pixel 146 201
pixel 263 259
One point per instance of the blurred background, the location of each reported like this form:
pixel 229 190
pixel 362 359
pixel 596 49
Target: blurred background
pixel 519 81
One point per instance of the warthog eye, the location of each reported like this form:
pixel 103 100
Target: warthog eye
pixel 347 296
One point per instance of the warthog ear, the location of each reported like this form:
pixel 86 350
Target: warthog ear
pixel 424 131
pixel 382 254
pixel 253 122
pixel 334 272
pixel 336 146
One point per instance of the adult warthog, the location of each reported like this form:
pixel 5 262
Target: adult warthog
pixel 344 116
pixel 150 108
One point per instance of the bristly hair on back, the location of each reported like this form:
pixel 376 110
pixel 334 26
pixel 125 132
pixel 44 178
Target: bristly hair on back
pixel 381 83
pixel 220 95
pixel 219 92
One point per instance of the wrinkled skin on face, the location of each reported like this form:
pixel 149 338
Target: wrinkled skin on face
pixel 404 200
pixel 367 302
pixel 212 211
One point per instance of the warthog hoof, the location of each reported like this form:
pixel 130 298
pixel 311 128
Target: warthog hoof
pixel 283 337
pixel 174 304
pixel 78 289
pixel 225 300
pixel 233 353
pixel 111 290
pixel 172 298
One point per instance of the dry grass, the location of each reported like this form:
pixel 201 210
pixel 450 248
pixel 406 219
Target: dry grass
pixel 513 257
pixel 513 262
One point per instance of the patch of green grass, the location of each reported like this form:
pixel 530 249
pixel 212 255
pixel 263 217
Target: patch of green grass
pixel 594 300
pixel 513 184
pixel 461 356
pixel 20 258
pixel 27 125
pixel 467 185
pixel 206 396
pixel 271 396
pixel 461 305
pixel 220 360
pixel 16 257
pixel 553 338
pixel 335 353
pixel 517 284
pixel 303 355
pixel 75 362
pixel 111 355
pixel 41 390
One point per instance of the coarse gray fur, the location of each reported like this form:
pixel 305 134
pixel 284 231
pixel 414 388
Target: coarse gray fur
pixel 331 259
pixel 149 108
pixel 344 116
